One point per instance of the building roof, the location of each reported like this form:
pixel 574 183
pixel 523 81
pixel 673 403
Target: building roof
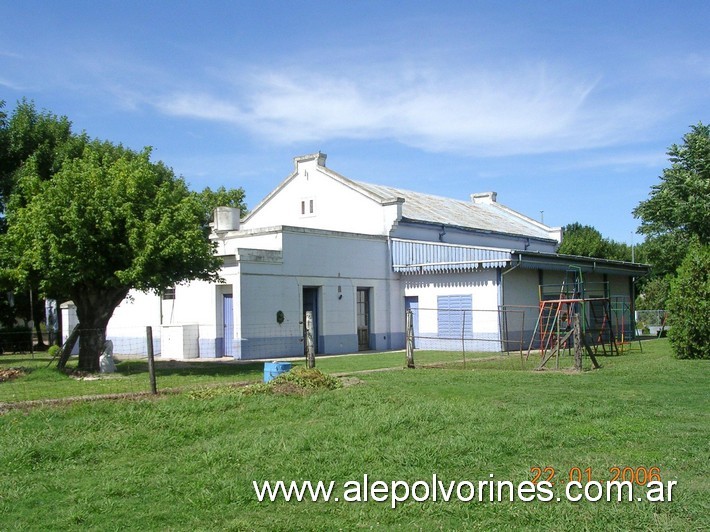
pixel 416 257
pixel 487 215
pixel 552 261
pixel 481 213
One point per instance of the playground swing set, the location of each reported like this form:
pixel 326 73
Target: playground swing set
pixel 582 318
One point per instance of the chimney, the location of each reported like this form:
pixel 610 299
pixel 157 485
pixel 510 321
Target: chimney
pixel 226 219
pixel 482 198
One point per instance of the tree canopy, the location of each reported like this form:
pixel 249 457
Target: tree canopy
pixel 680 203
pixel 586 241
pixel 33 141
pixel 30 142
pixel 89 220
pixel 110 218
pixel 676 220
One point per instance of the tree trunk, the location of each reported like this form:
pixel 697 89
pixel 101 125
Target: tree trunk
pixel 67 348
pixel 94 308
pixel 40 339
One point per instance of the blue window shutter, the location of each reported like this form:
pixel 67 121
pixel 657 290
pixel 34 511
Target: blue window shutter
pixel 451 316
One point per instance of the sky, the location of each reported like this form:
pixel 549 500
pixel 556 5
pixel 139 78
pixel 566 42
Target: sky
pixel 565 108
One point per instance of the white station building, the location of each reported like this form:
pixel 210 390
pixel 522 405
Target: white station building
pixel 357 255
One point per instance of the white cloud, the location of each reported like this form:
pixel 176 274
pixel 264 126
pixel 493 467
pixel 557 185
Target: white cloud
pixel 11 55
pixel 10 85
pixel 526 110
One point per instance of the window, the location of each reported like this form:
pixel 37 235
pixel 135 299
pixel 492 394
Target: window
pixel 454 316
pixel 308 207
pixel 169 293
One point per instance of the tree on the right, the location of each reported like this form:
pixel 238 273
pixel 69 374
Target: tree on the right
pixel 680 203
pixel 676 220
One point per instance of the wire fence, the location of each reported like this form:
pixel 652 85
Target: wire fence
pixel 28 373
pixel 472 331
pixel 651 322
pixel 188 356
pixel 490 336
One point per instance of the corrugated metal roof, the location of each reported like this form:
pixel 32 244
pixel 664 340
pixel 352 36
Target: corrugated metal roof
pixel 467 214
pixel 409 256
pixel 551 261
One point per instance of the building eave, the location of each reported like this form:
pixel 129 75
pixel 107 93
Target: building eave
pixel 413 221
pixel 556 261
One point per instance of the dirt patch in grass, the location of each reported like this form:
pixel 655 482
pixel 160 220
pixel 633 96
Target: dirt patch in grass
pixel 11 373
pixel 81 375
pixel 350 381
pixel 288 388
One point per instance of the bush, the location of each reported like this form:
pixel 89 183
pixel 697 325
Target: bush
pixel 308 379
pixel 297 381
pixel 689 306
pixel 54 350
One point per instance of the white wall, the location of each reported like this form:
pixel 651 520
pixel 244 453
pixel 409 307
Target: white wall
pixel 336 206
pixel 127 327
pixel 619 285
pixel 483 288
pixel 336 264
pixel 194 304
pixel 264 282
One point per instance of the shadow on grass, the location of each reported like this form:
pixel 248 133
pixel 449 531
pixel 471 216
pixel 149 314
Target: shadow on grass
pixel 136 366
pixel 164 368
pixel 23 359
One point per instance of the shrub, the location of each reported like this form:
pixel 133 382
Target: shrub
pixel 54 350
pixel 297 381
pixel 689 306
pixel 309 379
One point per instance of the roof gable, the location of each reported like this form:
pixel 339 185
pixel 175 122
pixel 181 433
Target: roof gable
pixel 482 213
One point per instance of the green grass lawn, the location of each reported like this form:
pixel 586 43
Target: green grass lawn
pixel 43 382
pixel 180 463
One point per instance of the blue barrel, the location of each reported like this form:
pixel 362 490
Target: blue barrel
pixel 274 369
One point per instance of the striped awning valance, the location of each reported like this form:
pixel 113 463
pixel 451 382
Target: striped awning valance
pixel 412 256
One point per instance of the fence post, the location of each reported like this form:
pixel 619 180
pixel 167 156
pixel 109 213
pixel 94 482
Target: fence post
pixel 409 331
pixel 463 337
pixel 310 344
pixel 151 359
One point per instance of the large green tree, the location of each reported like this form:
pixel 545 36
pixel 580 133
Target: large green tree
pixel 676 220
pixel 586 241
pixel 680 204
pixel 108 221
pixel 35 142
pixel 39 137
